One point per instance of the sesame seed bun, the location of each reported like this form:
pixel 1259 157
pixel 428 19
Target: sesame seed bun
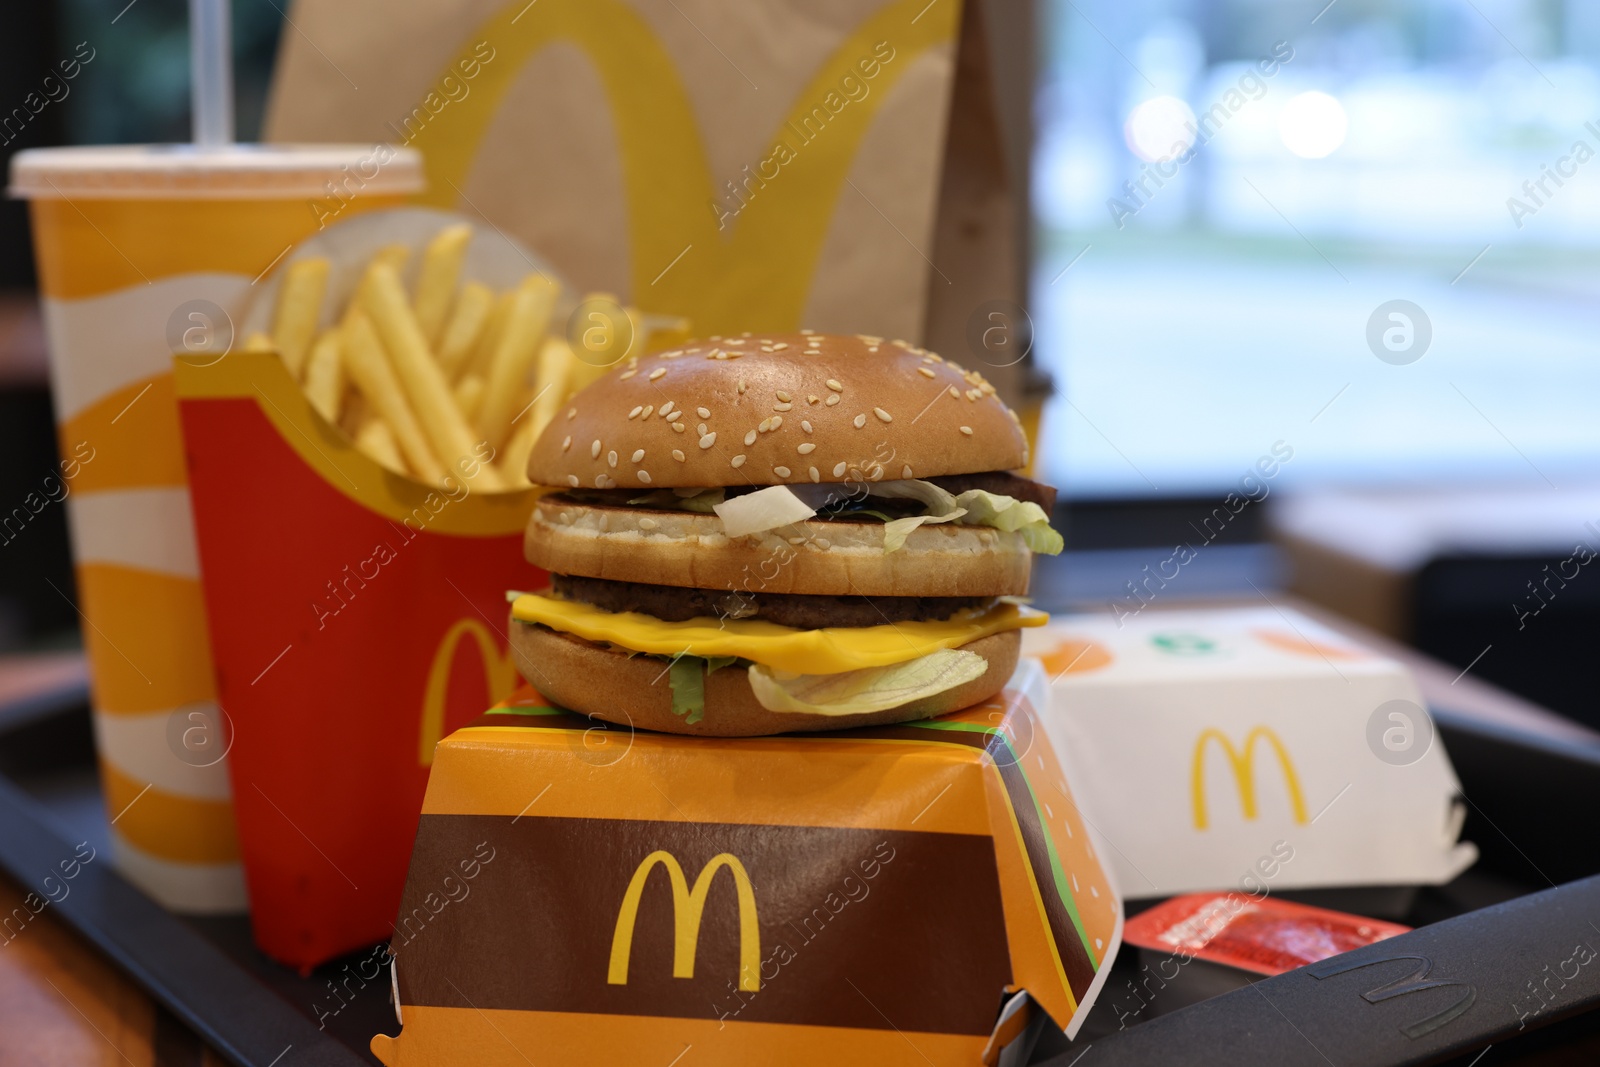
pixel 772 409
pixel 831 558
pixel 596 680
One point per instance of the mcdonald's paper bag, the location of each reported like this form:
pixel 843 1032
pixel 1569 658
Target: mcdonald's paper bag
pixel 754 166
pixel 1249 749
pixel 584 895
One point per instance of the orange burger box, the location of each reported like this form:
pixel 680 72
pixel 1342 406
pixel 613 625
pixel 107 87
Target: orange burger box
pixel 925 893
pixel 355 617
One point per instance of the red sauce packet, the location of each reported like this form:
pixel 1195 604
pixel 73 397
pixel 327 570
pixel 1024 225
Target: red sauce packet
pixel 1265 936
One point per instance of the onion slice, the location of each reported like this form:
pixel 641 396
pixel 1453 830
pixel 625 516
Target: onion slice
pixel 762 510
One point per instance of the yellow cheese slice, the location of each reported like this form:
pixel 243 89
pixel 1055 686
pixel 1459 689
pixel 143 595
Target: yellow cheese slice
pixel 783 648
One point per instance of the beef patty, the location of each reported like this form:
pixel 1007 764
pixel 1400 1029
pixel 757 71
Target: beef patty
pixel 804 612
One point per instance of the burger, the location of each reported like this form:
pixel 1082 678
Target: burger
pixel 771 533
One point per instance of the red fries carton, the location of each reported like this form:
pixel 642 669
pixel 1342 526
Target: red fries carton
pixel 356 617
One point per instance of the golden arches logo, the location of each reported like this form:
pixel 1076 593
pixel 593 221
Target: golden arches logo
pixel 1243 766
pixel 687 906
pixel 758 274
pixel 499 675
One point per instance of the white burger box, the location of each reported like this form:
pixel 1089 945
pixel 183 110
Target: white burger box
pixel 1248 749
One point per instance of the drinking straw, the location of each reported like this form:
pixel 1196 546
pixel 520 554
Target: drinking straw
pixel 211 68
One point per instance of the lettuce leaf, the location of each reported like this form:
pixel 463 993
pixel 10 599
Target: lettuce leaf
pixel 1010 514
pixel 895 531
pixel 869 689
pixel 687 677
pixel 762 510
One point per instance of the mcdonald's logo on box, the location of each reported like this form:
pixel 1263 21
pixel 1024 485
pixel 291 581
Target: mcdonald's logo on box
pixel 817 898
pixel 1211 745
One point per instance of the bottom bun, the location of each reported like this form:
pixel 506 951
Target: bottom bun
pixel 633 691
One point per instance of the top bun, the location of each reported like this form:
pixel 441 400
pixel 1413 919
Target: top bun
pixel 769 409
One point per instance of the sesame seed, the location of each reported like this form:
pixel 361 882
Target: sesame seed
pixel 677 455
pixel 833 384
pixel 599 481
pixel 708 440
pixel 644 476
pixel 925 372
pixel 782 407
pixel 967 430
pixel 638 455
pixel 860 421
pixel 678 427
pixel 567 443
pixel 782 472
pixel 777 420
pixel 666 407
pixel 839 469
pixel 797 540
pixel 738 461
pixel 594 449
pixel 634 414
pixel 783 396
pixel 750 438
pixel 779 346
pixel 874 348
pixel 974 394
pixel 701 430
pixel 611 458
pixel 833 398
pixel 765 426
pixel 807 333
pixel 657 373
pixel 883 415
pixel 905 472
pixel 816 475
pixel 741 386
pixel 805 424
pixel 675 416
pixel 572 413
pixel 648 408
pixel 822 542
pixel 704 413
pixel 807 448
pixel 647 523
pixel 811 399
pixel 572 480
pixel 734 341
pixel 625 375
pixel 955 394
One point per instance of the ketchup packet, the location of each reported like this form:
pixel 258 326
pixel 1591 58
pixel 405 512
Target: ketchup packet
pixel 1265 936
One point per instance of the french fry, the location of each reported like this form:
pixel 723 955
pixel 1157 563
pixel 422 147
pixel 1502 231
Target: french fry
pixel 489 340
pixel 467 321
pixel 397 255
pixel 514 460
pixel 325 375
pixel 377 440
pixel 469 394
pixel 436 282
pixel 526 321
pixel 370 370
pixel 299 308
pixel 450 436
pixel 553 374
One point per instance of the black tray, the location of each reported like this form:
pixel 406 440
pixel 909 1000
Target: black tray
pixel 1529 799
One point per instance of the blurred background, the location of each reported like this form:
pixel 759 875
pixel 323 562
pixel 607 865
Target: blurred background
pixel 1230 198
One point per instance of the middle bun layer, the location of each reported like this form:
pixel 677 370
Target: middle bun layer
pixel 822 558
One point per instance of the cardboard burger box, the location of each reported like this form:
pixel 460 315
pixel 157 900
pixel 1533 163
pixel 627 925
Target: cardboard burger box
pixel 582 894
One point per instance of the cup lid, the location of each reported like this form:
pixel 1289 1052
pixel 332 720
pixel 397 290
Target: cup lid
pixel 233 172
